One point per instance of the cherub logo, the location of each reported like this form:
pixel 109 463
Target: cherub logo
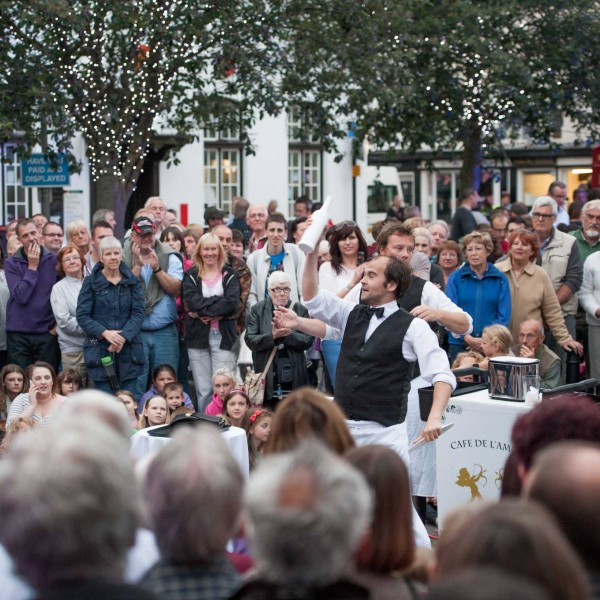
pixel 465 479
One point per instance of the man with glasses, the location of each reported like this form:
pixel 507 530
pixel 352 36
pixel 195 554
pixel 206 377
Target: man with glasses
pixel 558 192
pixel 52 237
pixel 531 345
pixel 276 255
pixel 288 371
pixel 560 258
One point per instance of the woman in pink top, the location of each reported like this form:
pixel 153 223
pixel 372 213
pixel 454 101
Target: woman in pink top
pixel 223 381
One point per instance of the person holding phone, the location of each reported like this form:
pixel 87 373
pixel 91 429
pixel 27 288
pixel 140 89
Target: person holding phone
pixel 348 249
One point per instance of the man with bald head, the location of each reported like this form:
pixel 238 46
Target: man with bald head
pixel 531 345
pixel 256 218
pixel 565 477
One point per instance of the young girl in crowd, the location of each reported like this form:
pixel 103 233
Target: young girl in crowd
pixel 69 382
pixel 496 340
pixel 130 403
pixel 156 412
pixel 235 405
pixel 257 423
pixel 173 394
pixel 162 375
pixel 12 383
pixel 223 381
pixel 464 360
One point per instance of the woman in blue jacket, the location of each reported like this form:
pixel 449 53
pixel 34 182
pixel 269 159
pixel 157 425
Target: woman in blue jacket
pixel 110 309
pixel 480 289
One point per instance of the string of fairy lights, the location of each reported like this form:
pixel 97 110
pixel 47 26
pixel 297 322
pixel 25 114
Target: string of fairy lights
pixel 100 63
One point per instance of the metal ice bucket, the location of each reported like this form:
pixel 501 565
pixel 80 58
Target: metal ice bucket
pixel 506 376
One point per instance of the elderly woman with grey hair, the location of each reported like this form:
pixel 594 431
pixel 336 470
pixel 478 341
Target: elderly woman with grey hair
pixel 307 512
pixel 68 526
pixel 287 370
pixel 110 309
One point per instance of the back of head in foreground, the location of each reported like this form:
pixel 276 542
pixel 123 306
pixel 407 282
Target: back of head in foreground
pixel 485 584
pixel 69 504
pixel 571 417
pixel 565 478
pixel 520 538
pixel 193 492
pixel 306 513
pixel 390 545
pixel 306 413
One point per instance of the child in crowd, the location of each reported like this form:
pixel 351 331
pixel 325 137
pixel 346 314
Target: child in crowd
pixel 130 403
pixel 13 382
pixel 162 375
pixel 173 394
pixel 18 426
pixel 235 405
pixel 496 340
pixel 156 412
pixel 223 381
pixel 69 382
pixel 464 360
pixel 257 423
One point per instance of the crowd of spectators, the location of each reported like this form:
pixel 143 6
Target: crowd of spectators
pixel 106 337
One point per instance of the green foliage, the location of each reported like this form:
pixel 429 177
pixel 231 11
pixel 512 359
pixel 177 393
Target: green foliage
pixel 112 69
pixel 459 74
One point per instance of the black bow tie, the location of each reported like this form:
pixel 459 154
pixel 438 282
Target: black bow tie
pixel 370 311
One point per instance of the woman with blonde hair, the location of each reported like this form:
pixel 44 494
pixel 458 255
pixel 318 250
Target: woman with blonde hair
pixel 211 297
pixel 79 235
pixel 496 340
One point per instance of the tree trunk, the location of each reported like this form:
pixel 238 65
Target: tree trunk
pixel 111 193
pixel 470 172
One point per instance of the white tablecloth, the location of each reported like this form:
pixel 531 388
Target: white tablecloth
pixel 471 455
pixel 144 445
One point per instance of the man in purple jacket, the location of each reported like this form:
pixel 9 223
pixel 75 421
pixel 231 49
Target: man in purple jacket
pixel 30 275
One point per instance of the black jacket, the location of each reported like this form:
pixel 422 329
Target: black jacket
pixel 260 340
pixel 226 306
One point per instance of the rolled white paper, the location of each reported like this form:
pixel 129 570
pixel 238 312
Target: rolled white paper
pixel 312 235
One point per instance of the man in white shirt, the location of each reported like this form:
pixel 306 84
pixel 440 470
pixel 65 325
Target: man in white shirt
pixel 275 255
pixel 379 349
pixel 429 302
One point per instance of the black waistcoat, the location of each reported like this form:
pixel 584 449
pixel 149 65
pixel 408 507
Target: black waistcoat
pixel 373 378
pixel 412 297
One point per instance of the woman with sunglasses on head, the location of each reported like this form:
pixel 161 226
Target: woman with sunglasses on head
pixel 348 250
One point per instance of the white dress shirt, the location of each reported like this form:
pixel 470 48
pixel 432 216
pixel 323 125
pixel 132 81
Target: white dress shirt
pixel 433 361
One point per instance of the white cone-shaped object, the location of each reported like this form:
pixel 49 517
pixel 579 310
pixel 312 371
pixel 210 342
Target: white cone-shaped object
pixel 312 235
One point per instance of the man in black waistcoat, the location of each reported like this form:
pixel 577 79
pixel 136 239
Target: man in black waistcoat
pixel 380 344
